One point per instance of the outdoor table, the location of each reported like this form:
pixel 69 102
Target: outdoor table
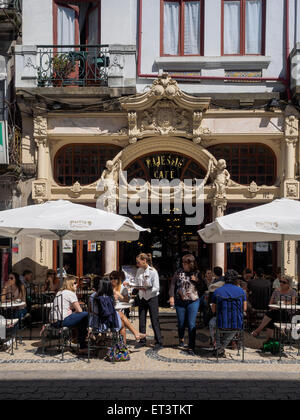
pixel 124 305
pixel 9 305
pixel 285 307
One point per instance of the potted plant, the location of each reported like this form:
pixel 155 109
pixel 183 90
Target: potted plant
pixel 62 67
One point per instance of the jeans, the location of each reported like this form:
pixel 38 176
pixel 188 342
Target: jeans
pixel 222 339
pixel 187 312
pixel 204 307
pixel 79 321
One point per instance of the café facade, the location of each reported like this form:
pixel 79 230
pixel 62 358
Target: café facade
pixel 245 157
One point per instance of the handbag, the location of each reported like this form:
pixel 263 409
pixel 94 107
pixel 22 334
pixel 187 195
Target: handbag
pixel 118 352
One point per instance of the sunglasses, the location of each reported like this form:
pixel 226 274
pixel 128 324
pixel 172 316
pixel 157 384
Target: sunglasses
pixel 283 282
pixel 113 278
pixel 188 262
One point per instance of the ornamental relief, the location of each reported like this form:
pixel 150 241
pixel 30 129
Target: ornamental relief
pixel 165 118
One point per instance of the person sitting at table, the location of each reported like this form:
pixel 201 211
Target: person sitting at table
pixel 228 316
pixel 286 295
pixel 259 291
pixel 120 291
pixel 98 325
pixel 52 282
pixel 66 312
pixel 15 290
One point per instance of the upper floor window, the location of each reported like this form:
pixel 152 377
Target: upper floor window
pixel 83 163
pixel 182 23
pixel 76 22
pixel 243 27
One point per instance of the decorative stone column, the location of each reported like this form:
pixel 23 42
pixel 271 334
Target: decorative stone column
pixel 290 185
pixel 40 190
pixel 219 205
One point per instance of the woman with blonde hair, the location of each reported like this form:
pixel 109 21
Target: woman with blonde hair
pixel 66 311
pixel 147 281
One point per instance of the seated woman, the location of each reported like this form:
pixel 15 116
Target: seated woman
pixel 52 282
pixel 287 295
pixel 15 290
pixel 66 312
pixel 120 291
pixel 122 322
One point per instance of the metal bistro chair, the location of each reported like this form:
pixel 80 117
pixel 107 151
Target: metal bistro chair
pixel 8 323
pixel 94 330
pixel 289 322
pixel 231 319
pixel 37 299
pixel 53 330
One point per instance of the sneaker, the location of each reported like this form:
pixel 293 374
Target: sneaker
pixel 191 352
pixel 181 345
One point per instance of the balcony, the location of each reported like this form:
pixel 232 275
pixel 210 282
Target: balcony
pixel 97 69
pixel 70 65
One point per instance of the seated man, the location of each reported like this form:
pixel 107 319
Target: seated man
pixel 260 291
pixel 230 315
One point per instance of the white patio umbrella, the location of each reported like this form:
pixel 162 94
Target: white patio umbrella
pixel 276 221
pixel 59 220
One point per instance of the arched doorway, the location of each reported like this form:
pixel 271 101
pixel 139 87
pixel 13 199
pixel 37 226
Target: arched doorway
pixel 170 236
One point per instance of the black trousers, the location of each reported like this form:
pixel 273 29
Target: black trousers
pixel 152 305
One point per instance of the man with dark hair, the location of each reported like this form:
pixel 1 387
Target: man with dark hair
pixel 230 316
pixel 218 273
pixel 260 291
pixel 27 278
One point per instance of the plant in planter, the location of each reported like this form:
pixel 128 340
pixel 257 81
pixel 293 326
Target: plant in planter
pixel 62 68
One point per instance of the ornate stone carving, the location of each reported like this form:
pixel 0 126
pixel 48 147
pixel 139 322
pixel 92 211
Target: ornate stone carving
pixel 40 191
pixel 220 205
pixel 253 189
pixel 108 185
pixel 292 190
pixel 132 127
pixel 76 189
pixel 291 126
pixel 198 130
pixel 164 87
pixel 165 110
pixel 40 128
pixel 220 177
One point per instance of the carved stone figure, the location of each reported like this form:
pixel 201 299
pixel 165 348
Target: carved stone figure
pixel 109 184
pixel 220 177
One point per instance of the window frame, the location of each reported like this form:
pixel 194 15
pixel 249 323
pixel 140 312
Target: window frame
pixel 243 29
pixel 181 28
pixel 255 156
pixel 64 3
pixel 61 154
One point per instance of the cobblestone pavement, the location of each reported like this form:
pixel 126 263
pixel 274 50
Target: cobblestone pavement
pixel 169 374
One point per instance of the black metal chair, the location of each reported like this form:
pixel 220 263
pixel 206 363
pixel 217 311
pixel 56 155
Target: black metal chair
pixel 230 323
pixel 37 300
pixel 288 328
pixel 111 336
pixel 53 331
pixel 8 322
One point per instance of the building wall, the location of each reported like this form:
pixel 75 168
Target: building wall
pixel 37 22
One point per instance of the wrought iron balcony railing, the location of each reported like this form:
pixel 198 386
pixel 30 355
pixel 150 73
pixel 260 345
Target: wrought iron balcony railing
pixel 72 65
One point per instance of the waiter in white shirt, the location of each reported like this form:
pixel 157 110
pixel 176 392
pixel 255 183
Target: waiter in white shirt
pixel 147 281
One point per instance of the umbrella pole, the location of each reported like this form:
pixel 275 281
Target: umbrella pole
pixel 61 259
pixel 282 255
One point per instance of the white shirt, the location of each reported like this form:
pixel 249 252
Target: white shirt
pixel 148 278
pixel 62 305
